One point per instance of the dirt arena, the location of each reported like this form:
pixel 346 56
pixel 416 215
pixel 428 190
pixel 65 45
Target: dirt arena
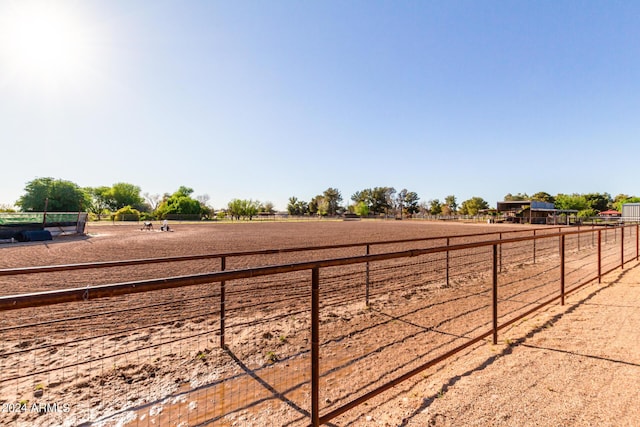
pixel 108 388
pixel 105 241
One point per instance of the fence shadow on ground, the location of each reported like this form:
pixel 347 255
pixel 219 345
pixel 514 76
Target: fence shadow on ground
pixel 347 352
pixel 428 401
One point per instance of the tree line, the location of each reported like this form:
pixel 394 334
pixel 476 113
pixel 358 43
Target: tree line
pixel 125 199
pixel 117 201
pixel 587 205
pixel 387 201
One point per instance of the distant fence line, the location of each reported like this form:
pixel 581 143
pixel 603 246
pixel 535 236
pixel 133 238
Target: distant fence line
pixel 514 272
pixel 366 246
pixel 559 220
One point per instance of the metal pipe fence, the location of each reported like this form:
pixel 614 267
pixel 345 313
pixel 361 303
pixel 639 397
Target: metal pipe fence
pixel 298 342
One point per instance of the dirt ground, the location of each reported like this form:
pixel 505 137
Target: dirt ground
pixel 105 241
pixel 559 367
pixel 565 366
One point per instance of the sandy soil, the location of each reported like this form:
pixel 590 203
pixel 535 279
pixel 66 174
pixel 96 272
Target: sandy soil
pixel 166 363
pixel 565 366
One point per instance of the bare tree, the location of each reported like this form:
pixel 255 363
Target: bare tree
pixel 203 199
pixel 153 200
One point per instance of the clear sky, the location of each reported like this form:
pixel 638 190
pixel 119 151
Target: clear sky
pixel 272 99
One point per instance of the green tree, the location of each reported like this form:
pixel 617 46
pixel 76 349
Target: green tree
pixel 126 213
pixel 379 199
pixel 332 198
pixel 251 208
pixel 571 202
pixel 323 206
pixel 451 203
pixel 435 207
pixel 408 202
pixel 267 207
pixel 362 196
pixel 319 205
pixel 541 196
pixel 297 207
pixel 587 213
pixel 382 199
pixel 100 197
pixel 313 205
pixel 62 196
pixel 179 203
pixel 361 208
pixel 239 208
pixel 234 208
pixel 519 196
pixel 184 191
pixel 473 206
pixel 125 194
pixel 598 202
pixel 621 199
pixel 292 206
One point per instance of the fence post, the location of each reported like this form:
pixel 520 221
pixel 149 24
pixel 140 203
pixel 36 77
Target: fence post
pixel 494 295
pixel 600 256
pixel 44 215
pixel 621 247
pixel 562 269
pixel 534 246
pixel 366 291
pixel 637 242
pixel 447 270
pixel 315 347
pixel 223 266
pixel 500 254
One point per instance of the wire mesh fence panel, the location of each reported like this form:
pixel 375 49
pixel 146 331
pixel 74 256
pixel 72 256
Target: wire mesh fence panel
pixel 410 321
pixel 610 249
pixel 267 326
pixel 467 264
pixel 546 248
pixel 517 253
pixel 239 351
pixel 405 276
pixel 630 243
pixel 110 359
pixel 524 282
pixel 49 281
pixel 521 289
pixel 581 259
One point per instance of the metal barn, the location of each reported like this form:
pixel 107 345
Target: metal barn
pixel 631 212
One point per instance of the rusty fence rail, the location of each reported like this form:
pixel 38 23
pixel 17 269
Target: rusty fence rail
pixel 292 342
pixel 369 246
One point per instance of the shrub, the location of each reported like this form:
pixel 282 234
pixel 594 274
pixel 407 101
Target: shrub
pixel 127 214
pixel 147 216
pixel 587 213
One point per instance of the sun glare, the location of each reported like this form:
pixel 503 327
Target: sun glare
pixel 44 44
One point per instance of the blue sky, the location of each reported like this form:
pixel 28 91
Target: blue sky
pixel 272 99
